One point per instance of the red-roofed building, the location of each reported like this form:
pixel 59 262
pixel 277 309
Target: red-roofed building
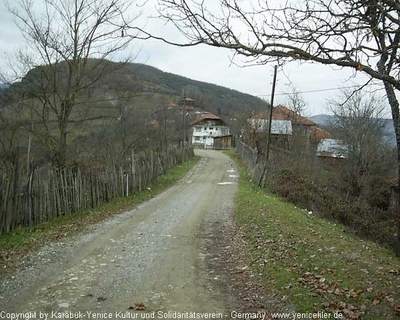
pixel 303 125
pixel 206 127
pixel 186 104
pixel 317 134
pixel 203 118
pixel 282 113
pixel 288 129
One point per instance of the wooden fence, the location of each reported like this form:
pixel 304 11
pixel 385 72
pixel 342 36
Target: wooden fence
pixel 44 194
pixel 260 170
pixel 255 164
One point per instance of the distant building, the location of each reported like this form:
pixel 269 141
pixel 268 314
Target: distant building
pixel 206 127
pixel 188 102
pixel 278 127
pixel 287 128
pixel 302 127
pixel 332 148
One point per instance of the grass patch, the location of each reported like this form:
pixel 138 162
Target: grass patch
pixel 26 239
pixel 315 262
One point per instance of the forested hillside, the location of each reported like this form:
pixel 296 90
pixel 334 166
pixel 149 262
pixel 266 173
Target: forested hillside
pixel 210 97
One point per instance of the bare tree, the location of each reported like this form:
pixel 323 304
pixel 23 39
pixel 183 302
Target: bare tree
pixel 358 124
pixel 295 101
pixel 166 131
pixel 10 130
pixel 362 35
pixel 69 42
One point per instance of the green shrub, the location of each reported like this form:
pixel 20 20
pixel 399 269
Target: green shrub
pixel 366 216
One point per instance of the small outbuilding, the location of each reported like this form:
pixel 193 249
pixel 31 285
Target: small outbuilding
pixel 223 142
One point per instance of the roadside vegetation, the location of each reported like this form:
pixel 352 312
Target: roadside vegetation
pixel 315 263
pixel 352 181
pixel 26 239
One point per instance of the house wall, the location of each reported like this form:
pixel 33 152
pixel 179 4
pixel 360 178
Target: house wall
pixel 203 135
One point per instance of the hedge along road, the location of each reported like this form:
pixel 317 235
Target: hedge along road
pixel 154 254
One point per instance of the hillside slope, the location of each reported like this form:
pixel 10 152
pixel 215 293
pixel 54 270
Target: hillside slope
pixel 148 87
pixel 153 82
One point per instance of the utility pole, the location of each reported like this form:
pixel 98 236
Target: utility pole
pixel 184 127
pixel 261 180
pixel 270 112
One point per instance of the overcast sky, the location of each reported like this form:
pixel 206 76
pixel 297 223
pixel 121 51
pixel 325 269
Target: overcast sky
pixel 213 64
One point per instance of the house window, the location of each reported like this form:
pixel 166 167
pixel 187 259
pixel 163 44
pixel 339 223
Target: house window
pixel 204 138
pixel 198 129
pixel 197 138
pixel 211 128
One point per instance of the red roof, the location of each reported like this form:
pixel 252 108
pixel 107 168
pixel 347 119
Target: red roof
pixel 283 113
pixel 206 116
pixel 319 134
pixel 209 116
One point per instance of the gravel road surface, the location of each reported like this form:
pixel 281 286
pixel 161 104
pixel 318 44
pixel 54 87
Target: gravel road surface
pixel 155 254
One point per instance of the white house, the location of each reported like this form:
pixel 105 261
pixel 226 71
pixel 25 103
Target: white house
pixel 205 128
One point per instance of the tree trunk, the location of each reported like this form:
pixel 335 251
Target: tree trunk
pixel 60 153
pixel 394 105
pixel 63 122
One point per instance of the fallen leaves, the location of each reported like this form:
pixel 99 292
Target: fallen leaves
pixel 139 306
pixel 314 281
pixel 395 272
pixel 379 297
pixel 313 263
pixel 354 293
pixel 347 310
pixel 396 310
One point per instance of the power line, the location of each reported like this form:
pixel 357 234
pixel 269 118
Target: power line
pixel 310 91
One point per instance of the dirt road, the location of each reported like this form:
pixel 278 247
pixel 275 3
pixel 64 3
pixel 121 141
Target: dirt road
pixel 155 254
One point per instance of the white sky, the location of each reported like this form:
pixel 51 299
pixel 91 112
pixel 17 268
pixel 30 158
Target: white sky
pixel 213 64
